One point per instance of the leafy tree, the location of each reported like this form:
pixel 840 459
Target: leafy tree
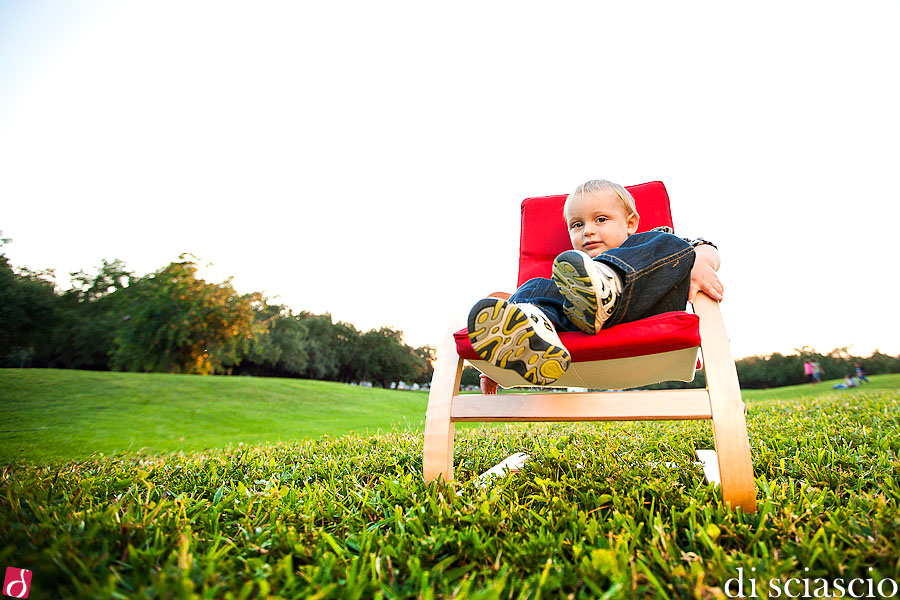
pixel 321 346
pixel 387 358
pixel 111 277
pixel 282 350
pixel 347 349
pixel 426 355
pixel 29 310
pixel 182 324
pixel 92 312
pixel 879 362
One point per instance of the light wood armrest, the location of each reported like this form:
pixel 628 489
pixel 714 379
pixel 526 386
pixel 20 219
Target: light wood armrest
pixel 729 424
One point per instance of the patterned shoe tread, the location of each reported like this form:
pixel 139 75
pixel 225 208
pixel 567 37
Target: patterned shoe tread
pixel 574 282
pixel 504 336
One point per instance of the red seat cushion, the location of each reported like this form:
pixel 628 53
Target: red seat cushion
pixel 653 335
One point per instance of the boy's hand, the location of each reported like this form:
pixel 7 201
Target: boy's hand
pixel 488 385
pixel 703 274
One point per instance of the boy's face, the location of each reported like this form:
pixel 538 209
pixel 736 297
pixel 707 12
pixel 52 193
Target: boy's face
pixel 597 222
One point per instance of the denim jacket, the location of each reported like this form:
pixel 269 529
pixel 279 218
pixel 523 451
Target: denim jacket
pixel 693 242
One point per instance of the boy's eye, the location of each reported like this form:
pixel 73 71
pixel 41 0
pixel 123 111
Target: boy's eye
pixel 601 219
pixel 575 225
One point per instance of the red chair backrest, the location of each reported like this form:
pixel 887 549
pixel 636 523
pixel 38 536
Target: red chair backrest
pixel 544 232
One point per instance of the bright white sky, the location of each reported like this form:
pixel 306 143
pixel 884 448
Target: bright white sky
pixel 368 158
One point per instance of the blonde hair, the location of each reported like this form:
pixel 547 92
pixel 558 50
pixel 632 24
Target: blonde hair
pixel 595 186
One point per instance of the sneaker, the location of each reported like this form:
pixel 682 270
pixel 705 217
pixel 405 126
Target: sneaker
pixel 590 287
pixel 517 337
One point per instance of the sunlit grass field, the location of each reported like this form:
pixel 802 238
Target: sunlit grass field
pixel 48 414
pixel 597 512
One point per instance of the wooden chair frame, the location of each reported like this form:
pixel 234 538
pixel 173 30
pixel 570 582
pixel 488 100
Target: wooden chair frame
pixel 720 402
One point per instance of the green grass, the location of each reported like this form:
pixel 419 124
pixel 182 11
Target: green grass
pixel 596 513
pixel 48 414
pixel 882 383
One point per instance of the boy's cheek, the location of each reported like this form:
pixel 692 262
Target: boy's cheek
pixel 576 241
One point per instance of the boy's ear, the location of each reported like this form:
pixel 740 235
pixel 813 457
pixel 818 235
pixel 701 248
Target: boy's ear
pixel 632 223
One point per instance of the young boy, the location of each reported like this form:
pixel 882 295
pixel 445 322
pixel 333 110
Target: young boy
pixel 613 275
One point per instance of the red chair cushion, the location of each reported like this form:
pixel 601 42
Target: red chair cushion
pixel 653 335
pixel 544 234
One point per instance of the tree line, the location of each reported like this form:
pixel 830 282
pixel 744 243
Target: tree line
pixel 173 321
pixel 777 370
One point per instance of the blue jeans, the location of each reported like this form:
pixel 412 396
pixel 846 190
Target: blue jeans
pixel 655 269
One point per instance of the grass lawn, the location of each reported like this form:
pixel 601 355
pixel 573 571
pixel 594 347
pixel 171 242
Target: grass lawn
pixel 806 391
pixel 596 513
pixel 48 414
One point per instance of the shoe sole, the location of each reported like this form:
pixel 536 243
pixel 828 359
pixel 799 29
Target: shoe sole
pixel 502 335
pixel 577 285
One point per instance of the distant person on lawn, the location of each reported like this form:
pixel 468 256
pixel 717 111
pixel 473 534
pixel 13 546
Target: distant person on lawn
pixel 613 275
pixel 817 371
pixel 848 383
pixel 860 374
pixel 809 371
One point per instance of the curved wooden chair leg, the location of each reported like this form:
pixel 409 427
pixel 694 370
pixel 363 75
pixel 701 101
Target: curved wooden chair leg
pixel 729 424
pixel 437 459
